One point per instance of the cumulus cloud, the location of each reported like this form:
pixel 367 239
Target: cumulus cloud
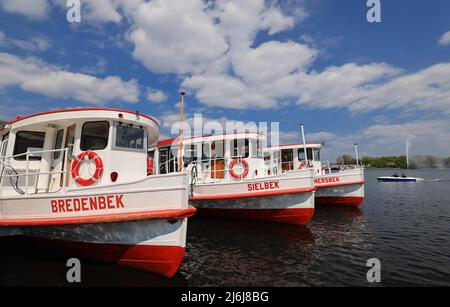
pixel 35 76
pixel 31 8
pixel 445 39
pixel 156 96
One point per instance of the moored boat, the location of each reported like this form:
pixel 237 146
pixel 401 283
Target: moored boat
pixel 344 186
pixel 231 180
pixel 76 179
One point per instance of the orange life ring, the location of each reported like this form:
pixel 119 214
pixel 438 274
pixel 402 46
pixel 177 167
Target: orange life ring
pixel 149 166
pixel 244 173
pixel 90 155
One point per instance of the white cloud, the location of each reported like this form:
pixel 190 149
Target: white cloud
pixel 274 21
pixel 34 44
pixel 427 137
pixel 175 36
pixel 31 8
pixel 156 96
pixel 445 39
pixel 38 77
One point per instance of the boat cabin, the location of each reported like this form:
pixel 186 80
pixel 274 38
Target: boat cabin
pixel 225 157
pixel 74 149
pixel 285 158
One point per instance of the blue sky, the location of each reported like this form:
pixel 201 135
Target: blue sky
pixel 318 62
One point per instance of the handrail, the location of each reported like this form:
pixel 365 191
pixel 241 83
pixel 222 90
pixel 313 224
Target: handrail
pixel 5 162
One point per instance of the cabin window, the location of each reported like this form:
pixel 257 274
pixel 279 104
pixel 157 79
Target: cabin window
pixel 287 159
pixel 94 136
pixel 4 144
pixel 301 154
pixel 190 152
pixel 267 156
pixel 217 149
pixel 256 149
pixel 130 137
pixel 241 148
pixel 58 144
pixel 29 141
pixel 316 154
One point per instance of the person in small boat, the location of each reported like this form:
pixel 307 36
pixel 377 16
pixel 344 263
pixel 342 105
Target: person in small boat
pixel 403 175
pixel 395 175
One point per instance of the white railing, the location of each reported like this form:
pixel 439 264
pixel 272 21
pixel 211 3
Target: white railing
pixel 5 163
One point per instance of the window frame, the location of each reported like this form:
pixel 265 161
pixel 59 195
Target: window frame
pixel 93 122
pixel 114 139
pixel 57 154
pixel 23 157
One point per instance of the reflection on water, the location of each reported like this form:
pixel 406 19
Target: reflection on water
pixel 406 226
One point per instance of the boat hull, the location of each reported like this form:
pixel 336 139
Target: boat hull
pixel 395 179
pixel 287 198
pixel 341 188
pixel 140 224
pixel 152 245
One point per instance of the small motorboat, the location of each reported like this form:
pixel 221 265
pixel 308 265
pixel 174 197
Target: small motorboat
pixel 397 178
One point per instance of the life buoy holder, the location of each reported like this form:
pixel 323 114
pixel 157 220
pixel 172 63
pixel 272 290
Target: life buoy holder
pixel 76 165
pixel 244 164
pixel 149 166
pixel 302 165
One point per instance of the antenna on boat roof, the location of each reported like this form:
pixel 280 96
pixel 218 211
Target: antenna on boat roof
pixel 180 161
pixel 304 142
pixel 356 153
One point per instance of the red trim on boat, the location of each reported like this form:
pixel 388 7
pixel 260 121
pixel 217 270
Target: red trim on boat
pixel 247 195
pixel 170 141
pixel 298 216
pixel 17 119
pixel 292 145
pixel 339 200
pixel 319 186
pixel 104 218
pixel 160 259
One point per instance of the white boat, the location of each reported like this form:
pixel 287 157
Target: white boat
pixel 76 179
pixel 397 178
pixel 401 178
pixel 232 180
pixel 342 187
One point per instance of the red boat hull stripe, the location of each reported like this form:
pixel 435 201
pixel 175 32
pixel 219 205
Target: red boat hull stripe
pixel 247 195
pixel 299 216
pixel 104 218
pixel 319 186
pixel 339 200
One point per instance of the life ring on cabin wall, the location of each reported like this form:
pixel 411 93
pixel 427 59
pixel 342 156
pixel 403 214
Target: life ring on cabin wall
pixel 149 166
pixel 302 165
pixel 76 165
pixel 233 172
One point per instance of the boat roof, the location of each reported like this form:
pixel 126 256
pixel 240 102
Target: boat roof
pixel 209 138
pixel 294 146
pixel 84 113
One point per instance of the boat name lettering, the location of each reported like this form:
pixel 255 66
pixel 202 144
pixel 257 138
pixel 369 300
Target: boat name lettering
pixel 267 185
pixel 87 203
pixel 327 180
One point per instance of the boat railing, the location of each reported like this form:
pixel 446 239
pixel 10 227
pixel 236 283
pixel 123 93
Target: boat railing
pixel 5 164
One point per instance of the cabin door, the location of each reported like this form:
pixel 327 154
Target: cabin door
pixel 217 161
pixel 70 143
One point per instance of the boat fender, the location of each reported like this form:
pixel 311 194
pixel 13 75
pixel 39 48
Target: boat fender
pixel 75 170
pixel 244 164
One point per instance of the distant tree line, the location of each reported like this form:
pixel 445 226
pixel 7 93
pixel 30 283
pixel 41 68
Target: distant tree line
pixel 417 161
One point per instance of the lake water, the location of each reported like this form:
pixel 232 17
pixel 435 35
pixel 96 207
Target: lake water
pixel 405 225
